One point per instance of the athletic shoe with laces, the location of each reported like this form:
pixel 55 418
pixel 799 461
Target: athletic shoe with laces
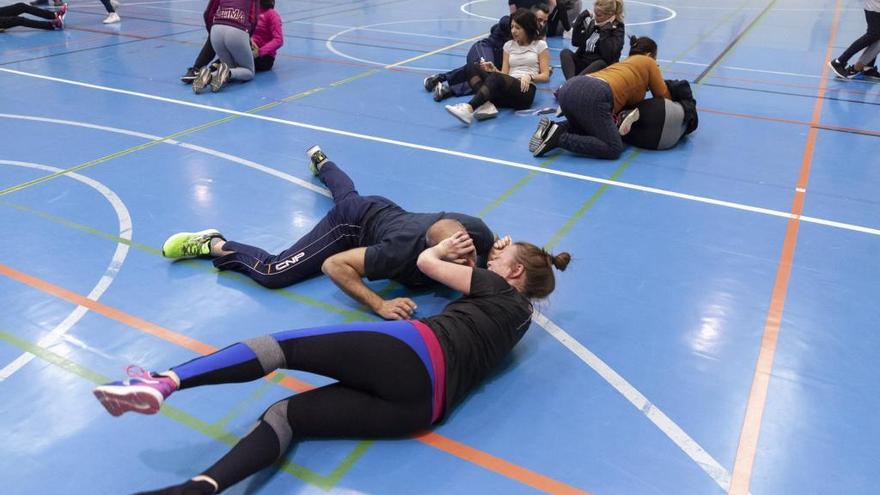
pixel 316 159
pixel 59 17
pixel 431 81
pixel 871 72
pixel 144 392
pixel 189 76
pixel 112 18
pixel 220 78
pixel 839 69
pixel 461 111
pixel 442 91
pixel 202 80
pixel 486 111
pixel 626 119
pixel 539 134
pixel 550 141
pixel 190 244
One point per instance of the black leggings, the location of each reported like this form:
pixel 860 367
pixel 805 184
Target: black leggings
pixel 9 17
pixel 383 389
pixel 497 87
pixel 578 64
pixel 870 36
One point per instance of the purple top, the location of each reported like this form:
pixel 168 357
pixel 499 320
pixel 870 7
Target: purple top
pixel 241 14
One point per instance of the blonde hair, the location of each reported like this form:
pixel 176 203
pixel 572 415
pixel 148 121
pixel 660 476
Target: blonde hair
pixel 611 6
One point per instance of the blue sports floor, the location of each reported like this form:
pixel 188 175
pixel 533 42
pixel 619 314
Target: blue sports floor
pixel 716 332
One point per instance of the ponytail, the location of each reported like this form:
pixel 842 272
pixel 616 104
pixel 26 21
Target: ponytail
pixel 538 265
pixel 614 7
pixel 642 45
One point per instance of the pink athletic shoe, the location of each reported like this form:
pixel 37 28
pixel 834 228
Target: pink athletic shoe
pixel 144 392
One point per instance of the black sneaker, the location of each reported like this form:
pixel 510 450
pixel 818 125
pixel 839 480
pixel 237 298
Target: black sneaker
pixel 839 69
pixel 539 134
pixel 441 91
pixel 551 140
pixel 190 76
pixel 871 73
pixel 431 81
pixel 316 159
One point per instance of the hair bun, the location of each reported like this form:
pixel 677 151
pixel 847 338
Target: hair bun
pixel 561 260
pixel 633 39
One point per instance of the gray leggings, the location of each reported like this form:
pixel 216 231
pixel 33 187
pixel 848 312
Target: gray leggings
pixel 869 56
pixel 233 46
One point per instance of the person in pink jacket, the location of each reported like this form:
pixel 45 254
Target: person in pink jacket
pixel 268 36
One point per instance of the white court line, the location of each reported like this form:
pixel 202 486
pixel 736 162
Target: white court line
pixel 678 436
pixel 464 8
pixel 201 149
pixel 625 185
pixel 103 284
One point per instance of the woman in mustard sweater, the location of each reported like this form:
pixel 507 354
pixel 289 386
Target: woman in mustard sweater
pixel 593 104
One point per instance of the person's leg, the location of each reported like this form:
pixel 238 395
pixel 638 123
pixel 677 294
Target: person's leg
pixel 566 58
pixel 205 56
pixel 264 63
pixel 504 91
pixel 19 8
pixel 10 22
pixel 456 80
pixel 385 389
pixel 869 56
pixel 238 42
pixel 338 231
pixel 587 103
pixel 594 66
pixel 108 6
pixel 340 184
pixel 870 36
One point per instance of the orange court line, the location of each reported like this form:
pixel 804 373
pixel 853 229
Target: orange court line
pixel 132 321
pixel 827 127
pixel 748 440
pixel 457 449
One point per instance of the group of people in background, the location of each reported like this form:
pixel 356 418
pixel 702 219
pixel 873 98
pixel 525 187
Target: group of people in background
pixel 868 44
pixel 602 98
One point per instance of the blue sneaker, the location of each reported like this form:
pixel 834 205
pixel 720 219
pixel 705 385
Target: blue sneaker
pixel 144 393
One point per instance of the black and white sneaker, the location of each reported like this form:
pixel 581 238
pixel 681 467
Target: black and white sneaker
pixel 626 119
pixel 441 91
pixel 550 141
pixel 432 81
pixel 839 69
pixel 871 73
pixel 539 134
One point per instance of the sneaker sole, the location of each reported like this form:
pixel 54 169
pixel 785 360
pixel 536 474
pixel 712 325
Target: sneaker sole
pixel 119 399
pixel 485 116
pixel 460 119
pixel 628 121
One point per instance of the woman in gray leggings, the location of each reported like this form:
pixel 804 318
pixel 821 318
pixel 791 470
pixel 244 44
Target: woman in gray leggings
pixel 230 23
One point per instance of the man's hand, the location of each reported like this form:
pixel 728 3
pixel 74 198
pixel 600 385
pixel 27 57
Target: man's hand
pixel 400 308
pixel 255 49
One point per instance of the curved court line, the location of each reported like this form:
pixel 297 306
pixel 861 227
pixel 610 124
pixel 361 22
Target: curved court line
pixel 672 13
pixel 201 149
pixel 103 284
pixel 405 144
pixel 688 445
pixel 329 43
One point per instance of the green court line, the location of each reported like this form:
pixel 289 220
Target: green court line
pixel 211 430
pixel 566 227
pixel 700 39
pixel 729 49
pixel 514 188
pixel 349 314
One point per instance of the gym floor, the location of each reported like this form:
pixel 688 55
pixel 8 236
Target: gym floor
pixel 716 331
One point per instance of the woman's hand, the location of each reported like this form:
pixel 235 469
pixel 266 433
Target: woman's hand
pixel 499 246
pixel 458 248
pixel 488 66
pixel 255 49
pixel 524 82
